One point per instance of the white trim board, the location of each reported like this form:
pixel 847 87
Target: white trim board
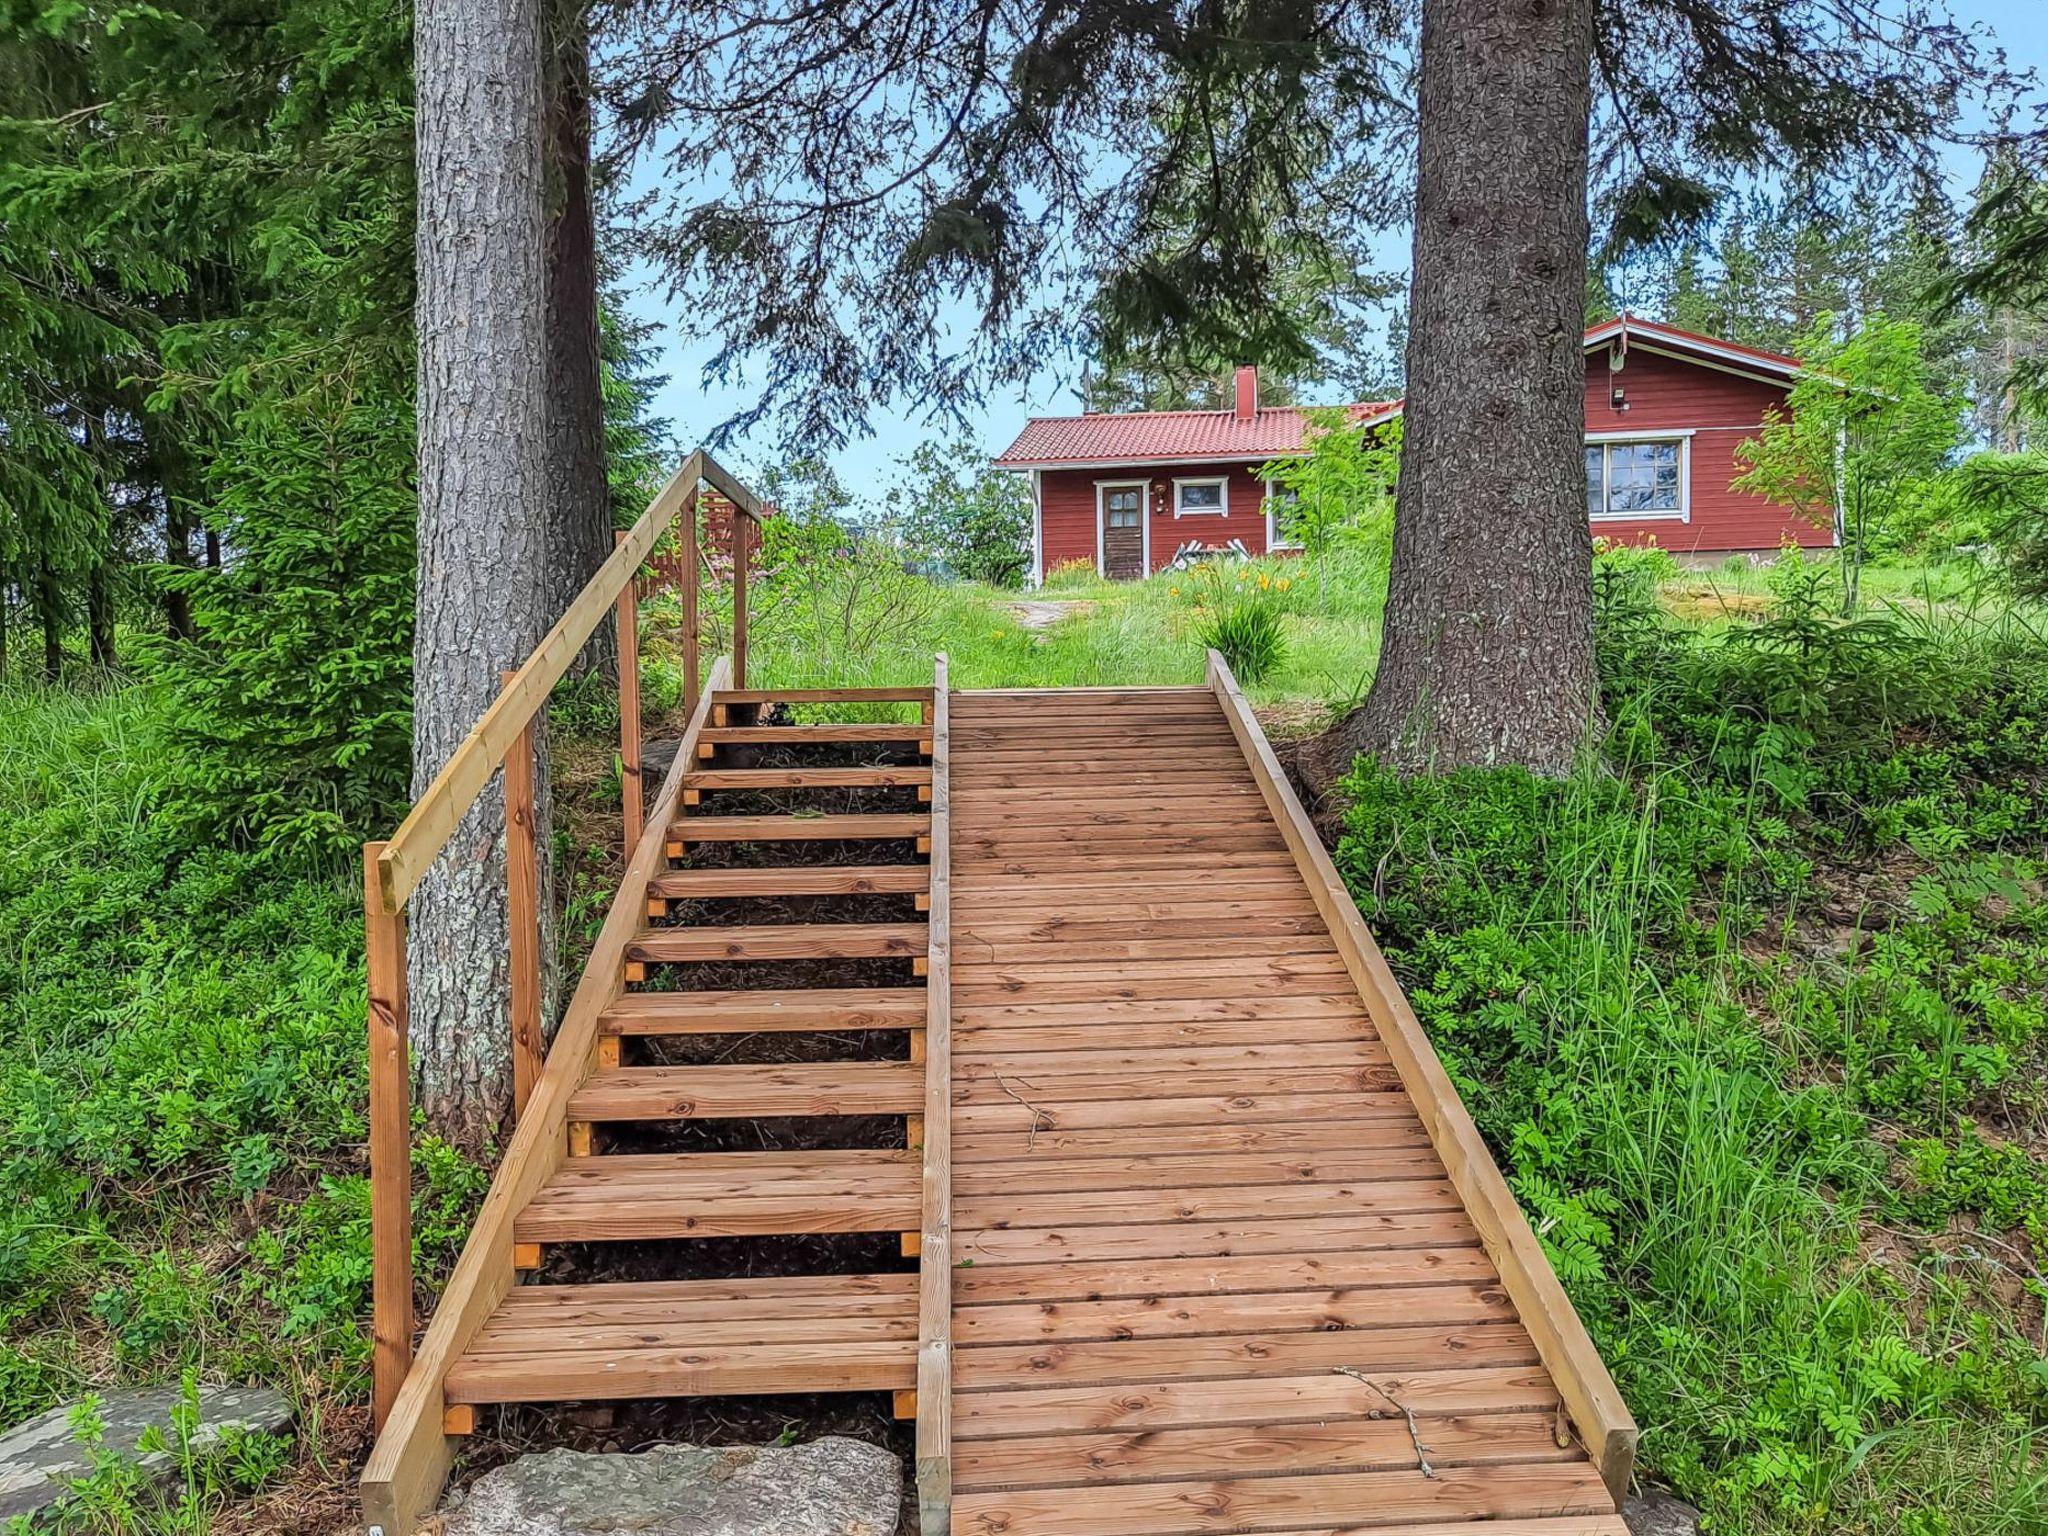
pixel 1605 440
pixel 1223 502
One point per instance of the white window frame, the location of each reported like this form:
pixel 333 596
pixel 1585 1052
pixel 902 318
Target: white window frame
pixel 1274 543
pixel 1221 482
pixel 1606 440
pixel 1144 488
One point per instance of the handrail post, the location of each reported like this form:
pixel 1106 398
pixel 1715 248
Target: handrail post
pixel 391 1316
pixel 742 538
pixel 522 913
pixel 688 539
pixel 632 803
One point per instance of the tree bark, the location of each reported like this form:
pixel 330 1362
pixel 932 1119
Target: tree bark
pixel 177 551
pixel 1488 648
pixel 483 525
pixel 50 613
pixel 99 615
pixel 579 494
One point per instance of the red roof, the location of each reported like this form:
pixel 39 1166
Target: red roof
pixel 1155 437
pixel 1147 437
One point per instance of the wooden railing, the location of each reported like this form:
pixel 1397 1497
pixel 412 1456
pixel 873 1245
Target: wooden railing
pixel 1590 1397
pixel 392 870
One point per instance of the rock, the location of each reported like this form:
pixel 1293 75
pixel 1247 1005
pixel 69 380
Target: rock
pixel 828 1487
pixel 1658 1513
pixel 40 1458
pixel 656 758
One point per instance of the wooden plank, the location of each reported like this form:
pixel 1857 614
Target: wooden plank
pixel 1343 1500
pixel 522 917
pixel 1194 1171
pixel 1163 1315
pixel 831 732
pixel 390 1138
pixel 873 1365
pixel 1126 1014
pixel 995 1056
pixel 792 880
pixel 726 1092
pixel 934 1450
pixel 1246 1354
pixel 649 1213
pixel 1237 1202
pixel 741 1295
pixel 1354 1230
pixel 1070 1088
pixel 797 828
pixel 409 1462
pixel 1259 1401
pixel 1306 1139
pixel 632 803
pixel 748 1012
pixel 806 778
pixel 1050 1285
pixel 1358 1444
pixel 823 696
pixel 788 941
pixel 1039 1112
pixel 1003 1039
pixel 436 813
pixel 742 531
pixel 1595 1404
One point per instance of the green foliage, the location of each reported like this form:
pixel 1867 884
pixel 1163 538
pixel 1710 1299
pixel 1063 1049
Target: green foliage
pixel 1340 488
pixel 291 728
pixel 1247 631
pixel 1750 1013
pixel 2007 494
pixel 960 517
pixel 182 1090
pixel 1862 427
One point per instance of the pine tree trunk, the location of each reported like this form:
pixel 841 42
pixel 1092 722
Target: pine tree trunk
pixel 99 616
pixel 177 552
pixel 1488 649
pixel 483 525
pixel 579 498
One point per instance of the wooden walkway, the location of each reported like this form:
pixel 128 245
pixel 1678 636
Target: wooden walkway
pixel 1212 1275
pixel 1037 1032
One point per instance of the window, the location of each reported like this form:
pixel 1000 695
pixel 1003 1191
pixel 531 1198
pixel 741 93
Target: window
pixel 1636 479
pixel 1201 498
pixel 1281 502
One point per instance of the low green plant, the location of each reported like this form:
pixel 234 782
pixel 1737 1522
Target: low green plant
pixel 1248 633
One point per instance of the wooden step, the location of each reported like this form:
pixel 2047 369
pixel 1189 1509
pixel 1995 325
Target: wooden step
pixel 779 1012
pixel 822 696
pixel 729 1093
pixel 787 941
pixel 806 778
pixel 793 880
pixel 770 829
pixel 648 1198
pixel 680 1338
pixel 831 732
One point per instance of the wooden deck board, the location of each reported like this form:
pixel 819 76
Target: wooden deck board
pixel 1209 1252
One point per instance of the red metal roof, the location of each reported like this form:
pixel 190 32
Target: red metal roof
pixel 1159 437
pixel 1148 437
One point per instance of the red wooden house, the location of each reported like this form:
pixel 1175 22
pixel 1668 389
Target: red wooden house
pixel 1665 410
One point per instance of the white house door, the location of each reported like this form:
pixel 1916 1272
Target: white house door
pixel 1123 532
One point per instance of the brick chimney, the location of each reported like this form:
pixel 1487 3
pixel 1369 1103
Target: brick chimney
pixel 1247 394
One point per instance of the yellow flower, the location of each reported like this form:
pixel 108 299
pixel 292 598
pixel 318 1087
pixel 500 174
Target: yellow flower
pixel 1173 591
pixel 998 633
pixel 1286 582
pixel 1265 581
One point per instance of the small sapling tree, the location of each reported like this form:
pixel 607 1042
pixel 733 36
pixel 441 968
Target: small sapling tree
pixel 954 511
pixel 1339 486
pixel 1859 428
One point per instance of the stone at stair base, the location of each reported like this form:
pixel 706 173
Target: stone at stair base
pixel 41 1458
pixel 1657 1513
pixel 828 1487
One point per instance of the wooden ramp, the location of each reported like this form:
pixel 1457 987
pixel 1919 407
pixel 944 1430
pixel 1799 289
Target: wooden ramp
pixel 1038 1039
pixel 1214 1271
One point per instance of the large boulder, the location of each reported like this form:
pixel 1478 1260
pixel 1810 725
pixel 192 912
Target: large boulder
pixel 828 1487
pixel 40 1459
pixel 1654 1512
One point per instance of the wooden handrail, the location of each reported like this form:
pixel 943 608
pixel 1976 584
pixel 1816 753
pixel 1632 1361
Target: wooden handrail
pixel 504 739
pixel 409 1463
pixel 1590 1397
pixel 436 814
pixel 935 1249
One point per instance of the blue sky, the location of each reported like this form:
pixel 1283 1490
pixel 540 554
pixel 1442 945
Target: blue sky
pixel 694 408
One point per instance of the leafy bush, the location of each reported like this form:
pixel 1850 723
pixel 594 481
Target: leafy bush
pixel 1248 632
pixel 962 517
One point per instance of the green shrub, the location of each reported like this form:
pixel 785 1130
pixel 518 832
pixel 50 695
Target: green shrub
pixel 1247 630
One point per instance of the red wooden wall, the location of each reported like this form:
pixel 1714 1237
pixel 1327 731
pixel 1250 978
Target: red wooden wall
pixel 1721 409
pixel 1067 497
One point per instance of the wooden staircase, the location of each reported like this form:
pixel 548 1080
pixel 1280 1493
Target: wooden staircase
pixel 833 1061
